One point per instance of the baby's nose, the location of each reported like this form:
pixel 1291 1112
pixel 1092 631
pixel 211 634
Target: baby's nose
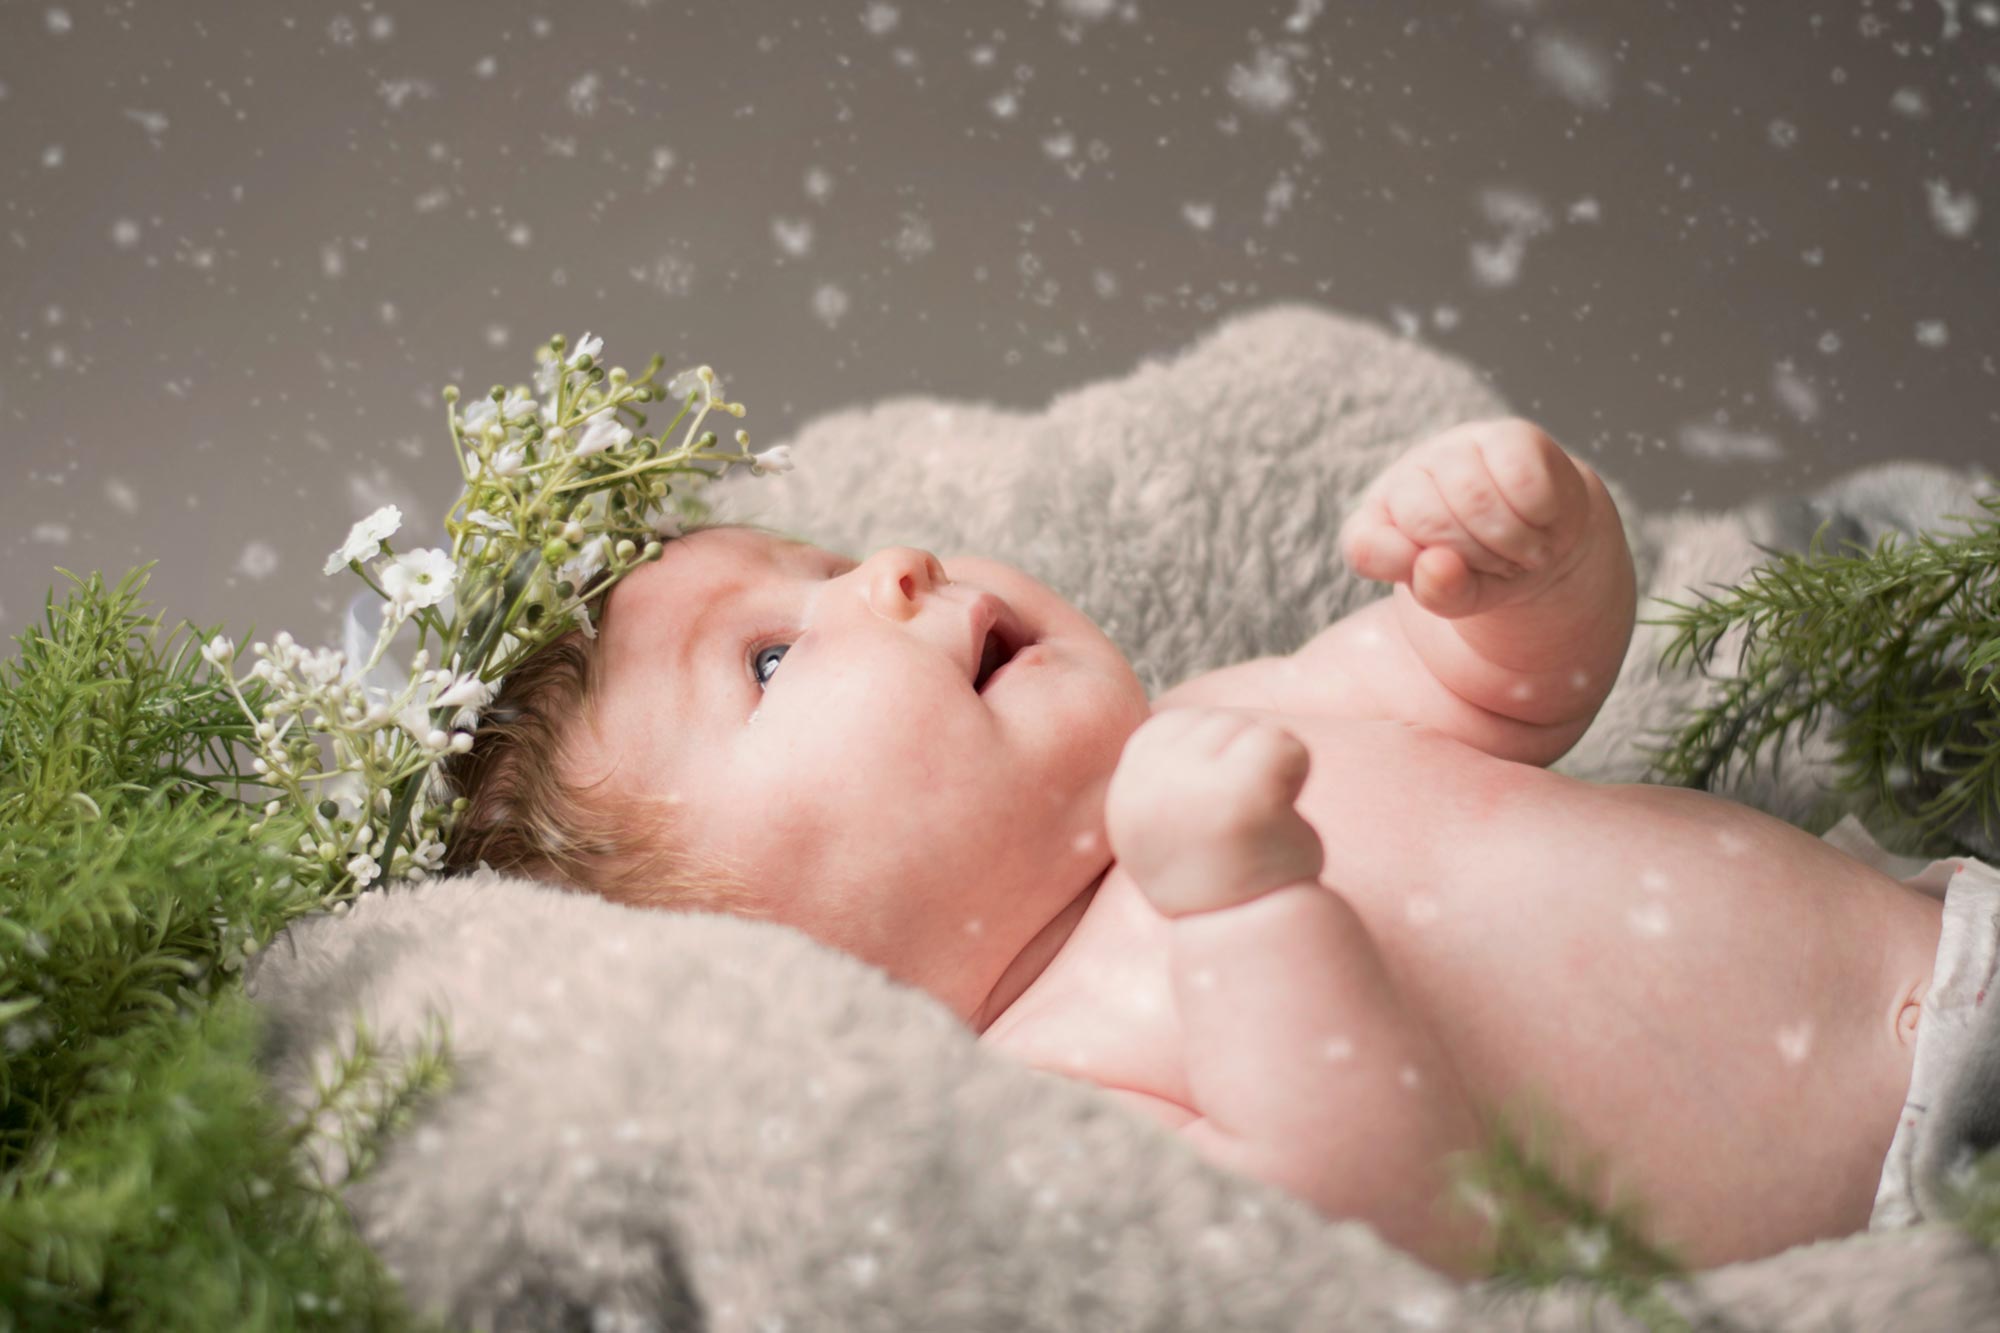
pixel 900 574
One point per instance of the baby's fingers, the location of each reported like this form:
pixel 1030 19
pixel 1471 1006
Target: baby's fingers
pixel 1415 495
pixel 1371 545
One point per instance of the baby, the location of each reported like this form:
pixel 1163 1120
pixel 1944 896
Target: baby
pixel 1323 913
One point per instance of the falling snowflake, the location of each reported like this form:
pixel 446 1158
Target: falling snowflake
pixel 1953 213
pixel 1265 86
pixel 829 303
pixel 1574 69
pixel 880 19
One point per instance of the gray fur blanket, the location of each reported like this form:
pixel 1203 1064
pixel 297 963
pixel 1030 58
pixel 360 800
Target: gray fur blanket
pixel 703 1122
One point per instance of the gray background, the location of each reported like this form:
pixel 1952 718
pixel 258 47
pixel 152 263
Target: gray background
pixel 1720 251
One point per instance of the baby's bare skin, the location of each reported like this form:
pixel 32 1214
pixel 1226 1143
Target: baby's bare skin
pixel 1719 1004
pixel 1333 946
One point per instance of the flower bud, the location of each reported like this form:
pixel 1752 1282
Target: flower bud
pixel 461 742
pixel 495 432
pixel 652 551
pixel 555 551
pixel 583 361
pixel 625 550
pixel 573 533
pixel 498 393
pixel 555 435
pixel 618 375
pixel 451 393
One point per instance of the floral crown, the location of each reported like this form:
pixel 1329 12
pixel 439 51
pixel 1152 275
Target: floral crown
pixel 558 489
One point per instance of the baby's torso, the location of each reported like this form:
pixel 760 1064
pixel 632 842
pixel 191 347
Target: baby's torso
pixel 1701 994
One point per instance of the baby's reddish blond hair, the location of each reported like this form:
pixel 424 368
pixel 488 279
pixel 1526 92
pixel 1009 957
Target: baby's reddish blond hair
pixel 526 817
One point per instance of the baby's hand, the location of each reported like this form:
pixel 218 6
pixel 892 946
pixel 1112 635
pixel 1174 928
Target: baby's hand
pixel 1200 810
pixel 1481 516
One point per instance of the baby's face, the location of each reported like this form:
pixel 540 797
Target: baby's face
pixel 819 716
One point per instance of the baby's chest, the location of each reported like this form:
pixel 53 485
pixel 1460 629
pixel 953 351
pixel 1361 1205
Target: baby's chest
pixel 1384 798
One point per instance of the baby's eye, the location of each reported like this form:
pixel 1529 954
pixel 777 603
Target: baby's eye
pixel 758 656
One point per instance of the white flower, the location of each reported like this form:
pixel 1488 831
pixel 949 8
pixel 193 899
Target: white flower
pixel 486 520
pixel 323 666
pixel 518 404
pixel 702 379
pixel 546 375
pixel 778 458
pixel 476 418
pixel 594 555
pixel 586 346
pixel 363 868
pixel 429 855
pixel 219 651
pixel 366 537
pixel 683 384
pixel 601 434
pixel 418 579
pixel 509 460
pixel 468 691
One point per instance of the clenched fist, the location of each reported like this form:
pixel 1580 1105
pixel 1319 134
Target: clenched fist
pixel 1481 516
pixel 1200 810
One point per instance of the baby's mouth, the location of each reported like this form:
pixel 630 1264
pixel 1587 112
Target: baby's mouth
pixel 996 654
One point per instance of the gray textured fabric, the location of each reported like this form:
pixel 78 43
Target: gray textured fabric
pixel 701 1122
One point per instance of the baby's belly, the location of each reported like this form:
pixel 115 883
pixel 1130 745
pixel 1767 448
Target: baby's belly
pixel 1699 994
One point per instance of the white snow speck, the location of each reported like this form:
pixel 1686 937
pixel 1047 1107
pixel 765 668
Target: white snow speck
pixel 1794 391
pixel 340 30
pixel 1409 1077
pixel 121 495
pixel 1586 209
pixel 1650 920
pixel 1004 103
pixel 1573 68
pixel 1718 443
pixel 1060 145
pixel 331 262
pixel 819 184
pixel 973 925
pixel 1090 11
pixel 1522 691
pixel 520 234
pixel 880 19
pixel 1954 214
pixel 829 304
pixel 1932 333
pixel 1199 213
pixel 52 156
pixel 1499 264
pixel 1910 102
pixel 1732 844
pixel 1428 1310
pixel 1795 1041
pixel 1203 980
pixel 1303 16
pixel 1421 909
pixel 55 534
pixel 793 235
pixel 914 239
pixel 152 122
pixel 258 560
pixel 862 1268
pixel 1084 842
pixel 1579 680
pixel 381 27
pixel 1336 1050
pixel 497 335
pixel 125 233
pixel 486 67
pixel 1782 133
pixel 1654 881
pixel 57 21
pixel 1265 86
pixel 583 94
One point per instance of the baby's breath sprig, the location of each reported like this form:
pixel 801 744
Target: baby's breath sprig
pixel 561 485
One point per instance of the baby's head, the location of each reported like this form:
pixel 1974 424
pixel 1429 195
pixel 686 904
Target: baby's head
pixel 769 729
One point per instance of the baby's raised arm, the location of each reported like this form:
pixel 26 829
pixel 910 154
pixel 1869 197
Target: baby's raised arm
pixel 1306 1066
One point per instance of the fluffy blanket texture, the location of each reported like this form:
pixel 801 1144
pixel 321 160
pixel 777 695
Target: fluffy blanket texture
pixel 703 1122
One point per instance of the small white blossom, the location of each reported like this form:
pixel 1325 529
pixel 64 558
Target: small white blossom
pixel 219 651
pixel 579 568
pixel 323 666
pixel 363 868
pixel 430 854
pixel 546 375
pixel 418 579
pixel 586 346
pixel 477 417
pixel 778 459
pixel 468 691
pixel 601 434
pixel 683 384
pixel 366 537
